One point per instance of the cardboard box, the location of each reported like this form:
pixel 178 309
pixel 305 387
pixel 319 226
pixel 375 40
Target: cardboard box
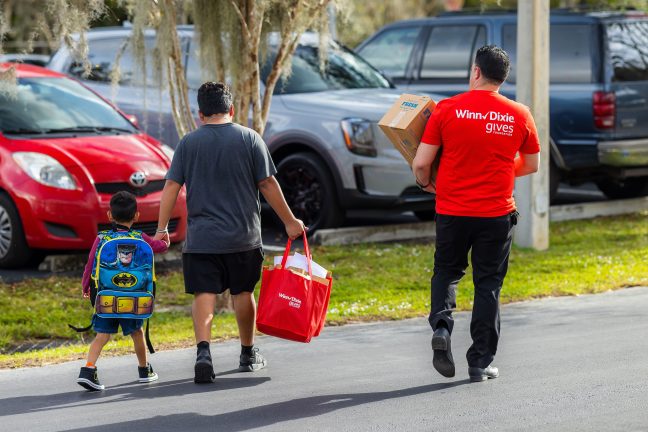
pixel 404 124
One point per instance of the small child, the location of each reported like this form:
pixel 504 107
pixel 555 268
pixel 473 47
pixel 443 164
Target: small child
pixel 123 213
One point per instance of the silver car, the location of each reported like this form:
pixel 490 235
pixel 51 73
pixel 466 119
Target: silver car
pixel 322 129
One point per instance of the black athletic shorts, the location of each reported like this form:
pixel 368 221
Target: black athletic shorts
pixel 215 273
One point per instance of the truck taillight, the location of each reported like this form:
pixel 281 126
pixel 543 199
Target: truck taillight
pixel 604 107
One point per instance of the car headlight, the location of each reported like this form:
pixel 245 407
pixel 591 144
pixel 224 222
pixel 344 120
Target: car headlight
pixel 168 151
pixel 358 136
pixel 45 170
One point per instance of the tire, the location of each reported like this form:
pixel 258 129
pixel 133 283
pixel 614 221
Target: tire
pixel 310 191
pixel 36 258
pixel 625 188
pixel 14 251
pixel 554 180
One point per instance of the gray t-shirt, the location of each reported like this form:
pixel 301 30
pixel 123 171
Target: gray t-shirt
pixel 221 166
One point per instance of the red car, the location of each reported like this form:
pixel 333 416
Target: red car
pixel 63 152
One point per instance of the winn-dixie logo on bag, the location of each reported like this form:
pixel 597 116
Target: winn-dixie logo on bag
pixel 292 301
pixel 496 122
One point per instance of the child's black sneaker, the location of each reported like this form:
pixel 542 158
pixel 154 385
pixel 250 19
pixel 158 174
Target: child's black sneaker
pixel 89 379
pixel 146 374
pixel 252 362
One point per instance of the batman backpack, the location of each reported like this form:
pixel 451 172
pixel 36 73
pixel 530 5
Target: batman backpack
pixel 123 278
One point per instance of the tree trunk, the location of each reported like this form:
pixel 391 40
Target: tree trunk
pixel 176 74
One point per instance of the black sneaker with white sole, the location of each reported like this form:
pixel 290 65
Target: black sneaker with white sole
pixel 146 374
pixel 443 361
pixel 89 379
pixel 204 369
pixel 252 362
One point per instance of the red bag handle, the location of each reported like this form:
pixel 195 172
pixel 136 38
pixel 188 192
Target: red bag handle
pixel 306 250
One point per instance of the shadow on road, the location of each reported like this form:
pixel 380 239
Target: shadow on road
pixel 267 415
pixel 121 393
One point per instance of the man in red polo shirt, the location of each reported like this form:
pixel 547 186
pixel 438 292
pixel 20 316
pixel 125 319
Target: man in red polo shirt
pixel 487 141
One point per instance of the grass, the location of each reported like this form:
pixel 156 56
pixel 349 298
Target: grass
pixel 371 282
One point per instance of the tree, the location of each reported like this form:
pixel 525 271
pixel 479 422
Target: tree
pixel 233 37
pixel 54 20
pixel 232 33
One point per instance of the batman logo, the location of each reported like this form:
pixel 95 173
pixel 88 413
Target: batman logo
pixel 124 280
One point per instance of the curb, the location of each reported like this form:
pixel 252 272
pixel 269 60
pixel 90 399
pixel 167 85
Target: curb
pixel 596 209
pixel 374 234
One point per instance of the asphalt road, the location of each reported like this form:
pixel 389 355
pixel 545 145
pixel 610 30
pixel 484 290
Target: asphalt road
pixel 566 364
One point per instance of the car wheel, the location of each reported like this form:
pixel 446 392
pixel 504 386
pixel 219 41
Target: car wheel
pixel 625 188
pixel 554 180
pixel 14 251
pixel 309 191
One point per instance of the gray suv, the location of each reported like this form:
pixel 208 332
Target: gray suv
pixel 322 129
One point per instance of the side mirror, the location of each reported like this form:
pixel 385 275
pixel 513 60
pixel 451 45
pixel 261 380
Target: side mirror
pixel 133 119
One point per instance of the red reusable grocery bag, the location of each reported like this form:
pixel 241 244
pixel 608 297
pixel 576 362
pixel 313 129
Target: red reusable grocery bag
pixel 292 304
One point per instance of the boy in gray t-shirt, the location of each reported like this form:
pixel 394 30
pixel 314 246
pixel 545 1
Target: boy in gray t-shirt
pixel 224 166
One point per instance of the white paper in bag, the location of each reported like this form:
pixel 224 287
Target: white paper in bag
pixel 299 261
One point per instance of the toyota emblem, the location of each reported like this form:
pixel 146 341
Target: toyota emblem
pixel 138 179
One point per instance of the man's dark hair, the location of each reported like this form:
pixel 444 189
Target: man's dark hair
pixel 123 206
pixel 494 63
pixel 214 98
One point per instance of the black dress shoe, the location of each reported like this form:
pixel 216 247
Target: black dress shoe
pixel 443 361
pixel 479 374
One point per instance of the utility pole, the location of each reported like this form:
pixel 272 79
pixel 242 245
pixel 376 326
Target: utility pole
pixel 532 89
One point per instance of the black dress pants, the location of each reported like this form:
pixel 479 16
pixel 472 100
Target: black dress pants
pixel 490 241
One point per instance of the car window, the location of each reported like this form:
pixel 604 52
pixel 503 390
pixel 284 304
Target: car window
pixel 570 52
pixel 389 52
pixel 194 74
pixel 628 45
pixel 480 41
pixel 449 51
pixel 103 55
pixel 344 70
pixel 56 103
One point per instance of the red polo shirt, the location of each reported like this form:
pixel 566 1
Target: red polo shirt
pixel 480 132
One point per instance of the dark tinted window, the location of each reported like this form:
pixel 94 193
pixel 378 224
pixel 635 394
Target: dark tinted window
pixel 449 51
pixel 56 103
pixel 570 53
pixel 103 54
pixel 390 51
pixel 628 44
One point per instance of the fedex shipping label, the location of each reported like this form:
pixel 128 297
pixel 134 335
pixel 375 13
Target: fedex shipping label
pixel 494 122
pixel 292 301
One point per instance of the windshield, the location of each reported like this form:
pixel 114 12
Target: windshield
pixel 51 105
pixel 344 70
